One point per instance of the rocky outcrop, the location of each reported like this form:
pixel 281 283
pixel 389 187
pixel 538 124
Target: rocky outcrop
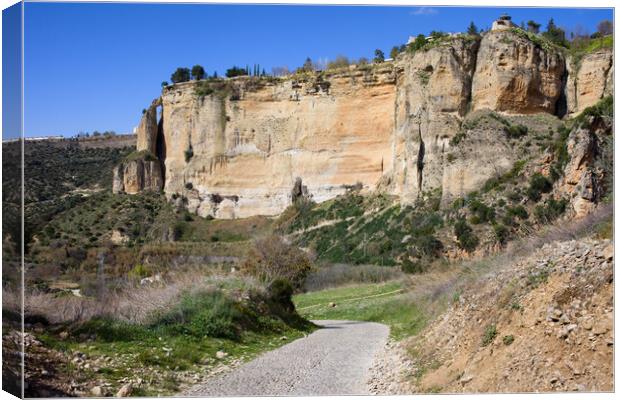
pixel 589 80
pixel 583 181
pixel 147 130
pixel 432 95
pixel 516 75
pixel 138 175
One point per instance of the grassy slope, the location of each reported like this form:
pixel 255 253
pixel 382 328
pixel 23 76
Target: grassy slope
pixel 381 303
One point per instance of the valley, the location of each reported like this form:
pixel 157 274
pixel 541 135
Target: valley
pixel 441 222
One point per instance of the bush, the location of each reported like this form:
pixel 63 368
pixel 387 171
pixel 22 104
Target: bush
pixel 412 267
pixel 272 258
pixel 483 212
pixel 538 184
pixel 466 239
pixel 550 211
pixel 203 313
pixel 281 292
pixel 508 339
pixel 501 233
pixel 515 131
pixel 189 153
pixel 490 333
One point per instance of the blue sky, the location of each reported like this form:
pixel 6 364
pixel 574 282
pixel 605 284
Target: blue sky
pixel 11 71
pixel 96 66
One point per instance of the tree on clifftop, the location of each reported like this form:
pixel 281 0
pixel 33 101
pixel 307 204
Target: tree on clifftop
pixel 472 29
pixel 198 72
pixel 605 27
pixel 555 34
pixel 180 75
pixel 379 57
pixel 394 52
pixel 533 26
pixel 236 71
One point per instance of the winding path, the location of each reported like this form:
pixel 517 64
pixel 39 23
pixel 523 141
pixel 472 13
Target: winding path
pixel 334 360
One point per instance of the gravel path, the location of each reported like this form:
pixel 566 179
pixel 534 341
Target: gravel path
pixel 334 360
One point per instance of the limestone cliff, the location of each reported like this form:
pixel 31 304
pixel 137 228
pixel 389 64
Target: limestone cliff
pixel 589 80
pixel 516 75
pixel 240 147
pixel 432 95
pixel 238 151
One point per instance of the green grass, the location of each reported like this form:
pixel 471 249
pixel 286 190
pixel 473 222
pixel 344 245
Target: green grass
pixel 184 338
pixel 393 309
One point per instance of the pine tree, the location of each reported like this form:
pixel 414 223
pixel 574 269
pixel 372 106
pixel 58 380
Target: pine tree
pixel 472 29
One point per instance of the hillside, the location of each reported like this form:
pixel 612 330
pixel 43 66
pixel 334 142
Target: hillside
pixel 559 297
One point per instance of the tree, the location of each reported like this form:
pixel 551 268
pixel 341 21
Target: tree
pixel 236 71
pixel 555 34
pixel 339 62
pixel 164 84
pixel 379 57
pixel 533 27
pixel 198 72
pixel 394 52
pixel 180 75
pixel 472 29
pixel 418 43
pixel 605 27
pixel 308 66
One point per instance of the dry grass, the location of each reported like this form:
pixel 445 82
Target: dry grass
pixel 134 303
pixel 435 290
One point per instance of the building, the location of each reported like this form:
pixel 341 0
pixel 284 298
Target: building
pixel 503 23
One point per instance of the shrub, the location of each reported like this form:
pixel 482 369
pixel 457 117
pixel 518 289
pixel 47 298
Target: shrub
pixel 466 239
pixel 508 339
pixel 412 267
pixel 203 313
pixel 538 184
pixel 483 212
pixel 550 211
pixel 139 271
pixel 189 153
pixel 281 292
pixel 189 185
pixel 515 131
pixel 272 258
pixel 501 233
pixel 490 333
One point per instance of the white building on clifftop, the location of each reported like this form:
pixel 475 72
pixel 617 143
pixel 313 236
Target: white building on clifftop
pixel 503 23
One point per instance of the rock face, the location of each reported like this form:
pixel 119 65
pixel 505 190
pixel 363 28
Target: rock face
pixel 238 152
pixel 515 75
pixel 241 147
pixel 138 175
pixel 583 180
pixel 589 80
pixel 147 130
pixel 433 90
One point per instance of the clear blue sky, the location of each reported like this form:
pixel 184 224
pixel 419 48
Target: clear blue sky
pixel 96 66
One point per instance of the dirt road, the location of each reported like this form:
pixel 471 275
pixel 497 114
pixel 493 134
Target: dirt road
pixel 331 361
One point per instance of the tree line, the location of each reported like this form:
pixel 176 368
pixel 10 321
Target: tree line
pixel 555 34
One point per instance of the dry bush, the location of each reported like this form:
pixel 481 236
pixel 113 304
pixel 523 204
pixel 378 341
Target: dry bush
pixel 340 274
pixel 133 303
pixel 272 258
